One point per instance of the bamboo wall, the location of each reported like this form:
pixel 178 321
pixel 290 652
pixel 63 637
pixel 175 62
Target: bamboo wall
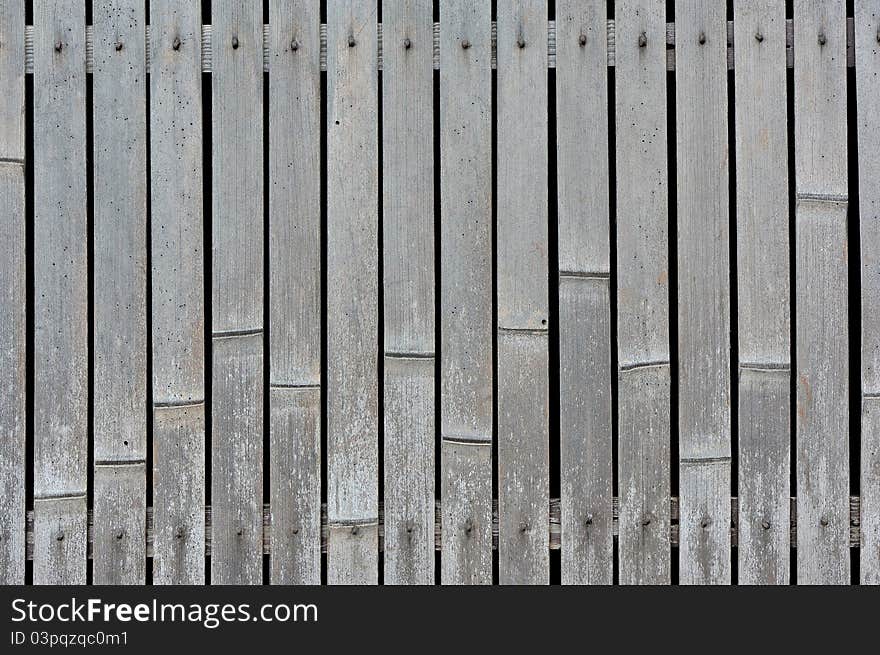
pixel 462 292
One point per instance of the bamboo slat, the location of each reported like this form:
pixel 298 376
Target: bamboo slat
pixel 867 47
pixel 119 293
pixel 466 366
pixel 763 311
pixel 703 224
pixel 584 289
pixel 177 282
pixel 642 293
pixel 61 357
pixel 295 293
pixel 408 255
pixel 352 293
pixel 821 292
pixel 13 294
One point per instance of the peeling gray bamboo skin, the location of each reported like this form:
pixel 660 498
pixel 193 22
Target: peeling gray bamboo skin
pixel 703 292
pixel 61 294
pixel 584 292
pixel 408 252
pixel 643 293
pixel 237 294
pixel 466 366
pixel 13 291
pixel 295 292
pixel 119 295
pixel 867 15
pixel 178 307
pixel 352 293
pixel 821 288
pixel 522 295
pixel 763 311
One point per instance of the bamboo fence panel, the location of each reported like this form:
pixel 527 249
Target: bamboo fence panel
pixel 586 457
pixel 821 292
pixel 13 287
pixel 466 365
pixel 763 308
pixel 120 292
pixel 61 334
pixel 352 293
pixel 178 294
pixel 867 47
pixel 644 376
pixel 452 237
pixel 703 292
pixel 408 256
pixel 295 293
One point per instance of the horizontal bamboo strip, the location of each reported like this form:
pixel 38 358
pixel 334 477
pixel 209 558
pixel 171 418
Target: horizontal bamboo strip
pixel 553 527
pixel 551 46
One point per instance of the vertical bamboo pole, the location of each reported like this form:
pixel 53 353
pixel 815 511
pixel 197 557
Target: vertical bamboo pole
pixel 61 294
pixel 295 291
pixel 821 297
pixel 178 307
pixel 237 293
pixel 584 292
pixel 352 293
pixel 120 289
pixel 763 312
pixel 867 47
pixel 466 366
pixel 13 293
pixel 408 252
pixel 703 291
pixel 643 292
pixel 523 367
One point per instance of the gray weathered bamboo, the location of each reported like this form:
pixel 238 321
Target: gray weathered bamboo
pixel 867 47
pixel 821 292
pixel 295 292
pixel 61 356
pixel 523 366
pixel 763 312
pixel 177 281
pixel 586 473
pixel 13 292
pixel 237 293
pixel 642 293
pixel 703 291
pixel 352 293
pixel 408 255
pixel 119 295
pixel 466 366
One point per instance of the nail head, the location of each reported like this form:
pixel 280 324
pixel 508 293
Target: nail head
pixel 759 37
pixel 351 42
pixel 58 46
pixel 465 44
pixel 582 40
pixel 702 38
pixel 294 45
pixel 235 43
pixel 407 44
pixel 643 40
pixel 822 39
pixel 765 524
pixel 521 43
pixel 176 43
pixel 118 46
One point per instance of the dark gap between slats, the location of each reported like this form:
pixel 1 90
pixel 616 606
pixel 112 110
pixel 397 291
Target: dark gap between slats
pixel 672 180
pixel 148 408
pixel 612 223
pixel 323 177
pixel 267 468
pixel 438 271
pixel 207 186
pixel 733 380
pixel 553 361
pixel 380 341
pixel 792 205
pixel 90 298
pixel 495 564
pixel 29 283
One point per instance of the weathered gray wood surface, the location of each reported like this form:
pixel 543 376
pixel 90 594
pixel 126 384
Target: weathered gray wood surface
pixel 821 292
pixel 703 224
pixel 352 293
pixel 295 292
pixel 867 47
pixel 763 311
pixel 237 293
pixel 177 283
pixel 13 294
pixel 408 256
pixel 642 293
pixel 586 473
pixel 522 295
pixel 61 356
pixel 119 295
pixel 466 365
